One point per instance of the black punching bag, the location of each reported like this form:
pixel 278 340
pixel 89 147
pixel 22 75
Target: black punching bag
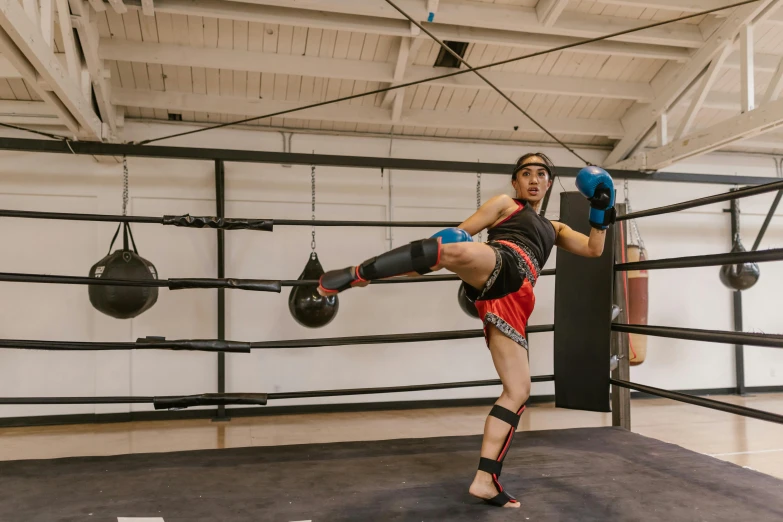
pixel 742 276
pixel 468 306
pixel 307 306
pixel 123 302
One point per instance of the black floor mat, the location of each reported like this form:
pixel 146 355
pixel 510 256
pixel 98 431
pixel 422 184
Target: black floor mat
pixel 587 474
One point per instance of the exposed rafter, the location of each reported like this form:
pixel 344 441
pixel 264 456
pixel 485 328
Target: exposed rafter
pixel 415 44
pixel 500 16
pixel 98 5
pixel 763 62
pixel 691 6
pixel 178 101
pixel 23 44
pixel 472 21
pixel 549 10
pixel 72 57
pixel 47 21
pixel 747 70
pixel 663 129
pixel 403 53
pixel 746 125
pixel 228 59
pixel 87 28
pixel 775 85
pixel 25 108
pixel 677 79
pixel 702 90
pixel 119 6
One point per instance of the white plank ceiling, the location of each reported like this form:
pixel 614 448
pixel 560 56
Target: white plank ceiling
pixel 215 61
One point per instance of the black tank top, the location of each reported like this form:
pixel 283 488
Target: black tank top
pixel 525 226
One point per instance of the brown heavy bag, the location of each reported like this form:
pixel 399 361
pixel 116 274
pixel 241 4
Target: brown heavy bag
pixel 637 304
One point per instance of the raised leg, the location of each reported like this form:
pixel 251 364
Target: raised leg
pixel 472 262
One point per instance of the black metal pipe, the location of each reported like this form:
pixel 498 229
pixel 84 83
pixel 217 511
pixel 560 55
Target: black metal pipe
pixel 736 304
pixel 68 216
pixel 77 400
pixel 767 220
pixel 327 160
pixel 347 223
pixel 701 401
pixel 148 344
pixel 710 336
pixel 271 396
pixel 739 349
pixel 220 203
pixel 547 196
pixel 223 224
pixel 257 285
pixel 727 196
pixel 731 258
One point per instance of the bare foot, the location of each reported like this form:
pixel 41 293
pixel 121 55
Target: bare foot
pixel 485 489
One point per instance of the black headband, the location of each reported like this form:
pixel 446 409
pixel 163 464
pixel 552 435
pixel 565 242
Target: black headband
pixel 543 165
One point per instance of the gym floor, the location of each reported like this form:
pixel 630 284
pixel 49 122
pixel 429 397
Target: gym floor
pixel 746 442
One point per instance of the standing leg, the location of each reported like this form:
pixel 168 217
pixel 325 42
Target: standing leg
pixel 511 363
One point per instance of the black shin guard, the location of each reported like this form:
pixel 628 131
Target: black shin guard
pixel 418 256
pixel 494 467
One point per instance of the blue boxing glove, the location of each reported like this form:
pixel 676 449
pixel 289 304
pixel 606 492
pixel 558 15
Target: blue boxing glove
pixel 453 235
pixel 597 186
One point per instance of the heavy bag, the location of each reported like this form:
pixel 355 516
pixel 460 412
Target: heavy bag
pixel 123 302
pixel 742 276
pixel 468 306
pixel 637 305
pixel 307 306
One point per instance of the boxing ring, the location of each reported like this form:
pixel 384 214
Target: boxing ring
pixel 572 474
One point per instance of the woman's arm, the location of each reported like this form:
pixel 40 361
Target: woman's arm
pixel 487 214
pixel 578 243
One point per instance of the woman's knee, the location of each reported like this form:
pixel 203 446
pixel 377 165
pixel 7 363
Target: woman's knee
pixel 518 393
pixel 455 255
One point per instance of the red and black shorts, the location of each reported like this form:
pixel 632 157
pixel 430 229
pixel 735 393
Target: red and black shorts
pixel 507 299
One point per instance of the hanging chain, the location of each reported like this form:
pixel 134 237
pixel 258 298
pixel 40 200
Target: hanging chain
pixel 124 186
pixel 636 237
pixel 478 202
pixel 312 186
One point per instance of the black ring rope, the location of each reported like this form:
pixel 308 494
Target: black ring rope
pixel 215 345
pixel 731 258
pixel 701 401
pixel 254 398
pixel 712 336
pixel 257 285
pixel 709 200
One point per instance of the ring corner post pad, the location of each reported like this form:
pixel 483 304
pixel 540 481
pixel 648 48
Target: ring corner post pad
pixel 583 302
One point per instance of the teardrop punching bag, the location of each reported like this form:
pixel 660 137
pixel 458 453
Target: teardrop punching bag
pixel 123 302
pixel 307 306
pixel 742 276
pixel 468 306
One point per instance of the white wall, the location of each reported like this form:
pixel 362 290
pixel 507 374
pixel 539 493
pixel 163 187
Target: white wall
pixel 690 298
